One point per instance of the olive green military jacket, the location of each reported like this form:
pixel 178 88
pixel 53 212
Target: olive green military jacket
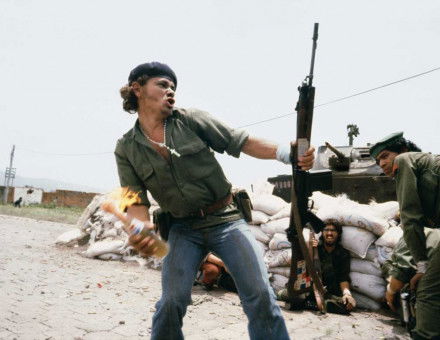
pixel 187 183
pixel 401 264
pixel 418 192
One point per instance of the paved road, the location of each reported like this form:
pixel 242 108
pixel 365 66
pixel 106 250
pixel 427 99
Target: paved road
pixel 47 292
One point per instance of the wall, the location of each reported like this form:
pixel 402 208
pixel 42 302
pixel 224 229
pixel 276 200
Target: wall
pixel 64 198
pixel 68 198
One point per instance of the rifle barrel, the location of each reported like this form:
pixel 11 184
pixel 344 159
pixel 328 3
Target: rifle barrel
pixel 312 64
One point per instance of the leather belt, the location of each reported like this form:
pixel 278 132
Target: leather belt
pixel 220 204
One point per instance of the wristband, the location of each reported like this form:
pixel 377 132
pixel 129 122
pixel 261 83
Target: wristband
pixel 283 154
pixel 346 291
pixel 421 267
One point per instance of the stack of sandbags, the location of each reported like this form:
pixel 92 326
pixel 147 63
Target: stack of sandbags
pixel 270 219
pixel 369 234
pixel 104 235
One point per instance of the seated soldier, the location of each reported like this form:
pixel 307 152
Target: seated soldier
pixel 335 270
pixel 400 268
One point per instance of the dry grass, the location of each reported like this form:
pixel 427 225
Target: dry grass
pixel 44 212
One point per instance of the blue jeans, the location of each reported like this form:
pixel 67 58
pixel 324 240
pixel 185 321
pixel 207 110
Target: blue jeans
pixel 234 243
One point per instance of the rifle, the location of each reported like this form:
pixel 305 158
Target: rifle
pixel 304 269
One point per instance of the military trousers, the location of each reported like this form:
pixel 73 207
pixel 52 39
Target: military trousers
pixel 428 300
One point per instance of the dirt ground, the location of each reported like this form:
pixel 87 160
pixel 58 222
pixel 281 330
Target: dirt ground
pixel 50 292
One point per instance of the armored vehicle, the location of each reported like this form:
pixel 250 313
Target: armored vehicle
pixel 354 172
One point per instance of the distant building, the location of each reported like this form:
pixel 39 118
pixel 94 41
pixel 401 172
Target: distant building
pixel 30 195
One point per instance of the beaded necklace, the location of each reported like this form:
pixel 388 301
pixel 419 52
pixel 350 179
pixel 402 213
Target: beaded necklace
pixel 164 144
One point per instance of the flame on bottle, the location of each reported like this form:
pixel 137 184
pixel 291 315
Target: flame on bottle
pixel 124 198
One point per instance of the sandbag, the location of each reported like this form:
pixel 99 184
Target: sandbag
pixel 278 258
pixel 278 282
pixel 269 204
pixel 259 217
pixel 263 247
pixel 387 210
pixel 262 187
pixel 365 267
pixel 359 217
pixel 390 237
pixel 371 254
pixel 285 212
pixel 71 237
pixel 357 240
pixel 364 302
pixel 276 226
pixel 321 200
pixel 279 241
pixel 284 271
pixel 369 285
pixel 383 253
pixel 103 247
pixel 259 234
pixel 344 211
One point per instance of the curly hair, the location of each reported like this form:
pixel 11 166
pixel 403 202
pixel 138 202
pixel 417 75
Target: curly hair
pixel 338 228
pixel 129 99
pixel 403 145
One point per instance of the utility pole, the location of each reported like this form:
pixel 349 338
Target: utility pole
pixel 9 176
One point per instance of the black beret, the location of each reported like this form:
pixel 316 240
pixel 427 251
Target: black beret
pixel 152 69
pixel 381 145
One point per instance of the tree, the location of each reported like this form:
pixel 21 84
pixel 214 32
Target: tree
pixel 353 131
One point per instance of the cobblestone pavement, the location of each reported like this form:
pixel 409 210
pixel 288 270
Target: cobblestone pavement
pixel 48 292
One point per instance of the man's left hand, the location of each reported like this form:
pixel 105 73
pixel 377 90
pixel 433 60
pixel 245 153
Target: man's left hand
pixel 305 162
pixel 415 280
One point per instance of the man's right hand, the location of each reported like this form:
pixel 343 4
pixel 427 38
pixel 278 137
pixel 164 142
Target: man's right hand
pixel 144 245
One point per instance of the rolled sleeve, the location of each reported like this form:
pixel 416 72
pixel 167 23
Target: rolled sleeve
pixel 127 175
pixel 411 211
pixel 216 134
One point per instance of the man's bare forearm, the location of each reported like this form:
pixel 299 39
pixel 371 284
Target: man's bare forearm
pixel 260 148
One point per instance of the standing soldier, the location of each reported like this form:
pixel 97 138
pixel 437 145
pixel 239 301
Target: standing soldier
pixel 169 153
pixel 417 176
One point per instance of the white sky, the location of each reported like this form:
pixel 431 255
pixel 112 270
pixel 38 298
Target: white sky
pixel 63 62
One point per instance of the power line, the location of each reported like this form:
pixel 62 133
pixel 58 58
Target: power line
pixel 378 87
pixel 346 97
pixel 268 119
